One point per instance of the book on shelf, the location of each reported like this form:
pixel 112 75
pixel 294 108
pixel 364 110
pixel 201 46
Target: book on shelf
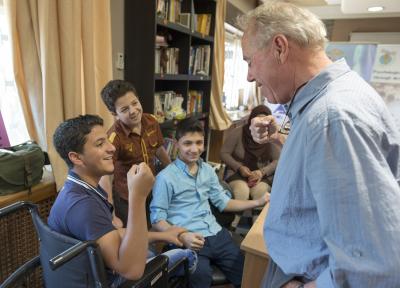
pixel 202 23
pixel 166 60
pixel 194 102
pixel 171 147
pixel 169 9
pixel 200 60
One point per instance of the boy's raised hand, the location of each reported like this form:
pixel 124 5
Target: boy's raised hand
pixel 140 180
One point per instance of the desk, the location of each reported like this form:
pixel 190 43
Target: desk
pixel 18 240
pixel 256 254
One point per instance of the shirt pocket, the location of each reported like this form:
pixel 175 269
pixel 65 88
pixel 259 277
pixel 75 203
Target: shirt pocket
pixel 152 137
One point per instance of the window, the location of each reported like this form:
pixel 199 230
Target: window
pixel 239 94
pixel 10 105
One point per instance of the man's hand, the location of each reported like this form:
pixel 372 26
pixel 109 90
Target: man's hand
pixel 244 171
pixel 171 235
pixel 254 178
pixel 264 129
pixel 194 241
pixel 140 180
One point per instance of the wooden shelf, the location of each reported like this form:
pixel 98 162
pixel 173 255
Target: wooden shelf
pixel 199 78
pixel 171 77
pixel 173 26
pixel 170 124
pixel 205 38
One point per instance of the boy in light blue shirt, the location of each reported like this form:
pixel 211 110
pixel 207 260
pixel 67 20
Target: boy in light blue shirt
pixel 180 198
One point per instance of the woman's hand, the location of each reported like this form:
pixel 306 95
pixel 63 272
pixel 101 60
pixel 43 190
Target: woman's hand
pixel 254 178
pixel 244 171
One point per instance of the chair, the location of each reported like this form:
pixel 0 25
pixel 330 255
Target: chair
pixel 67 262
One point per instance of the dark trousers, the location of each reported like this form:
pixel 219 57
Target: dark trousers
pixel 121 207
pixel 221 251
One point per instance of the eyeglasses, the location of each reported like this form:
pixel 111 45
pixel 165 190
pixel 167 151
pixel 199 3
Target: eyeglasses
pixel 285 126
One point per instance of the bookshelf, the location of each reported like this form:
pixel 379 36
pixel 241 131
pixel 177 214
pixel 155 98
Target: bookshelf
pixel 163 55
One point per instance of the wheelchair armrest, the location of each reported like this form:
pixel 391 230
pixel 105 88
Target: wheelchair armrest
pixel 183 261
pixel 70 253
pixel 16 206
pixel 155 269
pixel 22 271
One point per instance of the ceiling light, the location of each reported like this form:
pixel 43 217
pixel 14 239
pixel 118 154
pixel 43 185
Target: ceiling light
pixel 375 9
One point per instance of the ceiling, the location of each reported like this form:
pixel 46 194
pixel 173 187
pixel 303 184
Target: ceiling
pixel 347 9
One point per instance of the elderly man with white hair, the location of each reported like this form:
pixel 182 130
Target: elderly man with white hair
pixel 334 217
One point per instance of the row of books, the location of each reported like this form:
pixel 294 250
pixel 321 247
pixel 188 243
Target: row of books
pixel 171 147
pixel 202 23
pixel 166 60
pixel 200 60
pixel 169 9
pixel 194 102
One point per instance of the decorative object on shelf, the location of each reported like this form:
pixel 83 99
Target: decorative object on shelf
pixel 175 111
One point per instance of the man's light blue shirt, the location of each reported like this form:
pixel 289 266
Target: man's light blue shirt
pixel 182 199
pixel 334 215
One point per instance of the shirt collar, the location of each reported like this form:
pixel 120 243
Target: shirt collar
pixel 313 88
pixel 98 187
pixel 184 167
pixel 125 129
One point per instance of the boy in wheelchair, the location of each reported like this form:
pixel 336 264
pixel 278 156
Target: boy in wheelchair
pixel 82 211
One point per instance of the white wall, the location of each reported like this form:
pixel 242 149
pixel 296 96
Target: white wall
pixel 244 5
pixel 117 31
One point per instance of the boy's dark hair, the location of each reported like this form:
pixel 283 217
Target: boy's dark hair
pixel 189 125
pixel 70 136
pixel 114 90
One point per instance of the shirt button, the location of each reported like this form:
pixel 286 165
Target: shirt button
pixel 289 114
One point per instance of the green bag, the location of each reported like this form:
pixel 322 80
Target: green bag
pixel 21 167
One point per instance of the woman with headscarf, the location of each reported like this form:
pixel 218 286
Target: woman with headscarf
pixel 250 165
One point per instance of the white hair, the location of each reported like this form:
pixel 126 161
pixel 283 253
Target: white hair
pixel 277 17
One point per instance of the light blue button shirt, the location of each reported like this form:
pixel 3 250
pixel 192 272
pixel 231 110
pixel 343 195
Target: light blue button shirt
pixel 334 215
pixel 182 199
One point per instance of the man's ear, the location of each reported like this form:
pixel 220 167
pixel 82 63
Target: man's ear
pixel 280 45
pixel 75 158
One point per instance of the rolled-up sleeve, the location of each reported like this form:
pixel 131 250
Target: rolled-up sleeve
pixel 355 192
pixel 218 196
pixel 161 198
